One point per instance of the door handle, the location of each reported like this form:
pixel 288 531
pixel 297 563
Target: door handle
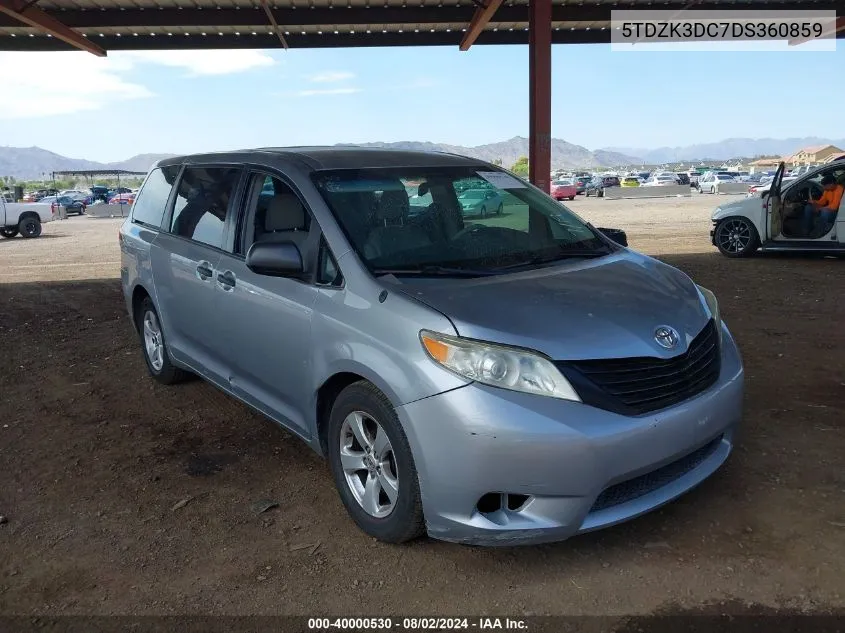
pixel 204 271
pixel 226 280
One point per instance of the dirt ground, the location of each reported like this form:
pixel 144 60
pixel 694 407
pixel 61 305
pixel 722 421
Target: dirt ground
pixel 122 496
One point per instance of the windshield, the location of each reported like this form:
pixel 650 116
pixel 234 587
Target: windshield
pixel 562 183
pixel 511 225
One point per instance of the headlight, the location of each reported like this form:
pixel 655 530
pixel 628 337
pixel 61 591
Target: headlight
pixel 713 306
pixel 498 365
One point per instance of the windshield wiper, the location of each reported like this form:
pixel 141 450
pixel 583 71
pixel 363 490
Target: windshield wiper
pixel 434 271
pixel 564 254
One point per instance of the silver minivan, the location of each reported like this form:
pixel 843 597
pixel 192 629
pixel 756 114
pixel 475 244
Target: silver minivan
pixel 504 378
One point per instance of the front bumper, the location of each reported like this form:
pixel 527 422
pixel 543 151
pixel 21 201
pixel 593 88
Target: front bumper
pixel 562 456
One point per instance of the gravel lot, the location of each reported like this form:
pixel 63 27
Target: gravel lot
pixel 124 496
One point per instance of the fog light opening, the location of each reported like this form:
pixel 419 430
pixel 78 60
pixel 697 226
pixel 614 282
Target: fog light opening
pixel 515 502
pixel 490 503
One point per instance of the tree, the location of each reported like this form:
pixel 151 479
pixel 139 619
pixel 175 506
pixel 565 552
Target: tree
pixel 520 167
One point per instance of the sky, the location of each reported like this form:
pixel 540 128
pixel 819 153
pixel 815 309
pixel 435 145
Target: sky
pixel 109 109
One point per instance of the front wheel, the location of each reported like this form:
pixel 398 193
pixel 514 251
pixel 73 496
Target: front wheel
pixel 8 232
pixel 499 209
pixel 736 237
pixel 483 212
pixel 571 198
pixel 29 227
pixel 372 465
pixel 713 190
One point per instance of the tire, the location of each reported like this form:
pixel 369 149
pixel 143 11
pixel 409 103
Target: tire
pixel 736 237
pixel 161 368
pixel 403 520
pixel 483 212
pixel 600 194
pixel 9 231
pixel 571 198
pixel 499 209
pixel 713 190
pixel 30 227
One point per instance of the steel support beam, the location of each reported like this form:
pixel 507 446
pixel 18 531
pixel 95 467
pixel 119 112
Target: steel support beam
pixel 38 19
pixel 480 20
pixel 355 17
pixel 540 97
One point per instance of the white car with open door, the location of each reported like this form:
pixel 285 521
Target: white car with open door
pixel 776 221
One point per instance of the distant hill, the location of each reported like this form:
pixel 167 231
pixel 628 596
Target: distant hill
pixel 30 163
pixel 564 155
pixel 33 163
pixel 727 148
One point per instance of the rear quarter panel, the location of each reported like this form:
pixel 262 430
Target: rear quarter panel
pixel 135 262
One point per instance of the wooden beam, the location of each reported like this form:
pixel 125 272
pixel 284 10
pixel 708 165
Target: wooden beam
pixel 540 93
pixel 479 21
pixel 36 18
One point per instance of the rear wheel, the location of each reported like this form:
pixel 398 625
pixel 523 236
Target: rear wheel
pixel 372 465
pixel 736 237
pixel 483 212
pixel 30 227
pixel 8 232
pixel 499 209
pixel 572 197
pixel 153 345
pixel 712 189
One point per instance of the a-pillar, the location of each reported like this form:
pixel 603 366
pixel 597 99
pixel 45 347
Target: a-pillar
pixel 540 98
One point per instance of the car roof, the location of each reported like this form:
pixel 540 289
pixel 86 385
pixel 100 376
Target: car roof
pixel 332 157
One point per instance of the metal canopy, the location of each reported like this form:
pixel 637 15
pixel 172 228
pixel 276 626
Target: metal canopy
pixel 103 25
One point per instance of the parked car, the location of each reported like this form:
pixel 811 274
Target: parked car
pixel 70 204
pixel 598 184
pixel 661 180
pixel 122 198
pixel 581 183
pixel 563 188
pixel 774 219
pixel 762 188
pixel 630 181
pixel 709 183
pixel 471 381
pixel 682 178
pixel 24 218
pixel 481 202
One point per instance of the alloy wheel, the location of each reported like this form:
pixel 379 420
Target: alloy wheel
pixel 369 464
pixel 153 341
pixel 734 236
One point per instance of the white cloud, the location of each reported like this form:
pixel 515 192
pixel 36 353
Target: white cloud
pixel 215 62
pixel 327 91
pixel 331 76
pixel 47 84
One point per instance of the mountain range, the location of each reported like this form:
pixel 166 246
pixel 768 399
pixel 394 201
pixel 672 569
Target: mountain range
pixel 31 163
pixel 727 149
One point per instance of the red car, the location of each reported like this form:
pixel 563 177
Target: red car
pixel 561 189
pixel 123 198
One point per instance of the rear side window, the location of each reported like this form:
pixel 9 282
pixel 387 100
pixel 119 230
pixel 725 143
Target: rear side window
pixel 203 199
pixel 152 199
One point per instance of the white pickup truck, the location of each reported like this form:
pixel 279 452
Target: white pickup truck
pixel 25 218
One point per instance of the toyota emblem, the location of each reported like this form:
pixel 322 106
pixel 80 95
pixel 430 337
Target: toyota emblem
pixel 667 337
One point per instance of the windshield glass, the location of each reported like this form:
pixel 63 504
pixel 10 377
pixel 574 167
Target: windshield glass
pixel 510 225
pixel 562 183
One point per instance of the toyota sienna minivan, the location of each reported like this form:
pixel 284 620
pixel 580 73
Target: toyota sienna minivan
pixel 512 378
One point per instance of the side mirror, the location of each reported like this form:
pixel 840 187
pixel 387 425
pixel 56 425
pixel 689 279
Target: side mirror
pixel 422 189
pixel 617 235
pixel 275 259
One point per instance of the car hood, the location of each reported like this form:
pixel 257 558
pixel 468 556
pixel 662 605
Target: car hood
pixel 582 309
pixel 743 207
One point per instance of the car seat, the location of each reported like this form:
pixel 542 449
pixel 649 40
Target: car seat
pixel 392 234
pixel 285 220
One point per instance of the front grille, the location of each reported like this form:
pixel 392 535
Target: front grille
pixel 635 386
pixel 645 484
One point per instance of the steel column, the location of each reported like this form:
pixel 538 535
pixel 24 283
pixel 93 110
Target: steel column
pixel 540 88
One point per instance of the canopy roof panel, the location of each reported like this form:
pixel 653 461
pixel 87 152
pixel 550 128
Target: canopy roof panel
pixel 102 25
